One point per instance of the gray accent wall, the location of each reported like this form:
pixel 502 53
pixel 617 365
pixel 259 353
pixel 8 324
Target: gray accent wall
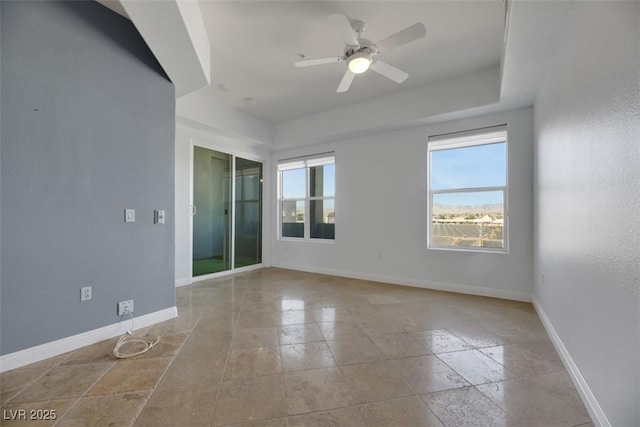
pixel 88 129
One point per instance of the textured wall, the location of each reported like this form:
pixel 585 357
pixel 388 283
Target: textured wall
pixel 588 201
pixel 88 122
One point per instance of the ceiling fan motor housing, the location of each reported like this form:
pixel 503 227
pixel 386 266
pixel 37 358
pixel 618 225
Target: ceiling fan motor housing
pixel 366 46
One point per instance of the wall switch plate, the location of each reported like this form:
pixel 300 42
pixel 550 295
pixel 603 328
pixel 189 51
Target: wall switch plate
pixel 158 216
pixel 129 215
pixel 125 307
pixel 85 293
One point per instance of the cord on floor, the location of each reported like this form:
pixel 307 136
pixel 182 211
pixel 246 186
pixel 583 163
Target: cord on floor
pixel 128 338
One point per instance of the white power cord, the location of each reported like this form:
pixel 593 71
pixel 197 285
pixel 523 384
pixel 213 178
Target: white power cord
pixel 128 338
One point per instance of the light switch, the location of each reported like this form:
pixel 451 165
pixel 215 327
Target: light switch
pixel 129 215
pixel 158 216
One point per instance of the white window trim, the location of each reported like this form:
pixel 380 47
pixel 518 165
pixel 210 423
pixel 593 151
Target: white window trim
pixel 475 137
pixel 305 162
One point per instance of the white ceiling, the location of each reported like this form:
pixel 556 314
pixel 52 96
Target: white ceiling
pixel 473 61
pixel 255 43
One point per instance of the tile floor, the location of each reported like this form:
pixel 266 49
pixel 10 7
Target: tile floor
pixel 283 348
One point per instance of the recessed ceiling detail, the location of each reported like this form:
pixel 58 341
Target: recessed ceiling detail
pixel 252 44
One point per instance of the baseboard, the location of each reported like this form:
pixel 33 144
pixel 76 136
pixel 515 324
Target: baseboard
pixel 595 411
pixel 183 281
pixel 424 284
pixel 74 342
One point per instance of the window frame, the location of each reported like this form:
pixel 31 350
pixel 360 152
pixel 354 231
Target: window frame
pixel 306 163
pixel 466 139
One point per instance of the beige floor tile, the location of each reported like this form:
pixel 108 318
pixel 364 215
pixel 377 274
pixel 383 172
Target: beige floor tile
pixel 258 324
pixel 520 361
pixel 273 422
pixel 185 371
pixel 115 409
pixel 344 417
pixel 466 407
pixel 35 414
pixel 331 314
pixel 131 375
pixel 341 330
pixel 543 348
pixel 63 382
pixel 250 399
pixel 296 334
pixel 532 405
pixel 427 374
pixel 477 336
pixel 313 355
pixel 16 380
pixel 440 341
pixel 316 390
pixel 259 304
pixel 180 406
pixel 517 332
pixel 221 326
pixel 50 362
pixel 168 346
pixel 99 352
pixel 476 367
pixel 374 381
pixel 295 317
pixel 290 303
pixel 258 319
pixel 215 346
pixel 255 337
pixel 559 386
pixel 396 346
pixel 355 350
pixel 253 362
pixel 404 412
pixel 179 325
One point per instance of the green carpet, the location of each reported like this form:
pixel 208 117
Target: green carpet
pixel 215 265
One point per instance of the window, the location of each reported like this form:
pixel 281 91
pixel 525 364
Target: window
pixel 306 197
pixel 468 190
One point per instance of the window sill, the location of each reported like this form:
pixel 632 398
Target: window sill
pixel 471 250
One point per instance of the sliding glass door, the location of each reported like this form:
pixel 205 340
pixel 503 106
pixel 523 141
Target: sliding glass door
pixel 248 230
pixel 218 245
pixel 211 219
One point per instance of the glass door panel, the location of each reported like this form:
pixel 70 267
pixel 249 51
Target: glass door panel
pixel 248 214
pixel 211 218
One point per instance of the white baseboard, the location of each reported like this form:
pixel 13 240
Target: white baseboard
pixel 425 284
pixel 595 411
pixel 183 281
pixel 74 342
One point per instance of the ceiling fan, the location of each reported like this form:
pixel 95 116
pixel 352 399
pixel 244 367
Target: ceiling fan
pixel 361 54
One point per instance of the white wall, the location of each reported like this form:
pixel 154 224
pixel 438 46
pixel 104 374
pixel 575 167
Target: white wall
pixel 185 137
pixel 587 122
pixel 381 214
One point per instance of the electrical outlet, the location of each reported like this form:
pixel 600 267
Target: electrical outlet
pixel 125 307
pixel 129 215
pixel 85 293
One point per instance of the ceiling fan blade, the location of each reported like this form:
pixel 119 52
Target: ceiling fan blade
pixel 342 24
pixel 346 81
pixel 409 34
pixel 389 71
pixel 319 61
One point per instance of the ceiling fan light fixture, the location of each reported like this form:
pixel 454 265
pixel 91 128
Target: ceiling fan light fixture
pixel 360 62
